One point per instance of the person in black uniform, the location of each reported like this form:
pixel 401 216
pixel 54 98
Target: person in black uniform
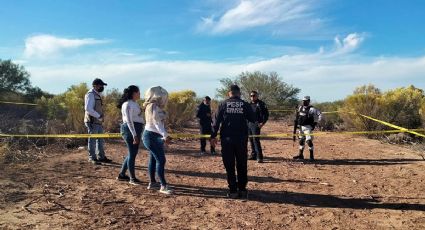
pixel 205 122
pixel 254 128
pixel 231 119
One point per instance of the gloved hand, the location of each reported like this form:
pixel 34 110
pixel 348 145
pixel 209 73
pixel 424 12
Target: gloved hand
pixel 314 125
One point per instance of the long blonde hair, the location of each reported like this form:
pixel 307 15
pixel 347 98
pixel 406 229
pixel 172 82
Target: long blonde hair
pixel 155 98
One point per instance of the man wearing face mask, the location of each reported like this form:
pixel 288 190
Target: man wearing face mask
pixel 306 120
pixel 93 119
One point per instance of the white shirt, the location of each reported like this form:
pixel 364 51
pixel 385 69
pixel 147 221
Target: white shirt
pixel 156 125
pixel 131 113
pixel 89 103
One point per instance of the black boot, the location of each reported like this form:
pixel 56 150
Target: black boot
pixel 311 155
pixel 300 156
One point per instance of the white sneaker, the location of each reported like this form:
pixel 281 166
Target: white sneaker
pixel 166 190
pixel 153 186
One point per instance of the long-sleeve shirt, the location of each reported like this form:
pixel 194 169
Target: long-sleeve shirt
pixel 261 111
pixel 232 117
pixel 156 124
pixel 204 114
pixel 89 103
pixel 308 115
pixel 131 113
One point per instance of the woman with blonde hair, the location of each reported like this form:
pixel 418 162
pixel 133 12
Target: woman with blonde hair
pixel 155 135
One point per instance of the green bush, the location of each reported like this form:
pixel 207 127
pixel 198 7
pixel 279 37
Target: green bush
pixel 365 100
pixel 331 121
pixel 402 107
pixel 181 108
pixel 112 113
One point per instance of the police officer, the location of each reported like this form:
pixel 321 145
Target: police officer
pixel 254 128
pixel 306 120
pixel 205 122
pixel 93 119
pixel 231 119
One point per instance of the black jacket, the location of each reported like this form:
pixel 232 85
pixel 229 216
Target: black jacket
pixel 232 117
pixel 260 110
pixel 204 114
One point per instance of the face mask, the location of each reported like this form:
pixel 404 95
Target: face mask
pixel 101 89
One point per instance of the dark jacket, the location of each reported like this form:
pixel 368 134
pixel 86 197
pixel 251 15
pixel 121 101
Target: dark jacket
pixel 231 118
pixel 260 110
pixel 204 114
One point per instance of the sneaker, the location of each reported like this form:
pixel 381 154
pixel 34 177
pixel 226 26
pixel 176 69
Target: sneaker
pixel 202 153
pixel 123 177
pixel 166 190
pixel 213 152
pixel 153 186
pixel 260 161
pixel 95 162
pixel 298 157
pixel 135 181
pixel 252 158
pixel 243 194
pixel 105 160
pixel 232 195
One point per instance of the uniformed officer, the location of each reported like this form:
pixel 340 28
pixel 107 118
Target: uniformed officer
pixel 306 120
pixel 231 119
pixel 205 122
pixel 254 128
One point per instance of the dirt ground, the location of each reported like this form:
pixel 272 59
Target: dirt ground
pixel 356 183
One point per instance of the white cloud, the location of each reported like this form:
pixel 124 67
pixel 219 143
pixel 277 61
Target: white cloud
pixel 350 43
pixel 258 13
pixel 45 45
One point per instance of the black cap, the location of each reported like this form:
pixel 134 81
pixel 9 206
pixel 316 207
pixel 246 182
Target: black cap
pixel 207 98
pixel 98 81
pixel 235 88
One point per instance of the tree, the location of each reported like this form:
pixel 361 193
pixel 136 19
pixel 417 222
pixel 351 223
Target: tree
pixel 13 77
pixel 270 87
pixel 15 84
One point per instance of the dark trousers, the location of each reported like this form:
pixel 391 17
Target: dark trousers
pixel 257 151
pixel 234 151
pixel 205 129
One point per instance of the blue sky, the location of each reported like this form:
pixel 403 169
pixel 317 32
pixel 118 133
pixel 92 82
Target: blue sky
pixel 324 47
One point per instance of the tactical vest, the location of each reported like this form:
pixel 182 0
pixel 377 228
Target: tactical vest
pixel 304 116
pixel 97 107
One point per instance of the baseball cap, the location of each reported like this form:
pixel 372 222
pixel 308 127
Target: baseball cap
pixel 306 98
pixel 98 81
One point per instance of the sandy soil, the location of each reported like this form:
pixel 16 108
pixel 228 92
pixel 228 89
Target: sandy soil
pixel 356 183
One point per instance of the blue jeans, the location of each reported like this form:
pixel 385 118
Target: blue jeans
pixel 129 161
pixel 155 145
pixel 95 145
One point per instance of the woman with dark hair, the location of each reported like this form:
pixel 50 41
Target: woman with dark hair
pixel 131 130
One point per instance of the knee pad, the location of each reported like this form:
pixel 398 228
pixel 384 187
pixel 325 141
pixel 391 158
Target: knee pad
pixel 310 143
pixel 302 142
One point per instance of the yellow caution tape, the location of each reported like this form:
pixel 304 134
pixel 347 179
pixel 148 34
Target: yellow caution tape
pixel 393 126
pixel 17 103
pixel 188 135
